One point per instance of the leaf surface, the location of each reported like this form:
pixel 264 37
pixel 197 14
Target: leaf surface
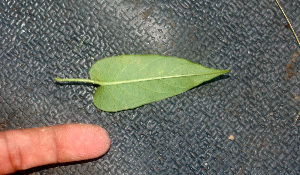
pixel 129 81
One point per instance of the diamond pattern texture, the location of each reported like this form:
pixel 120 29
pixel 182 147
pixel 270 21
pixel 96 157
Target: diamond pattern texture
pixel 243 123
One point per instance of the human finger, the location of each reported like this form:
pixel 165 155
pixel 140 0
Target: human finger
pixel 26 148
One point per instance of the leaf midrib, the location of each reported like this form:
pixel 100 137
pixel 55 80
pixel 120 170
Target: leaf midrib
pixel 156 78
pixel 134 81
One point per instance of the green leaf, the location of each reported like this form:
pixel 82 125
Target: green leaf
pixel 129 81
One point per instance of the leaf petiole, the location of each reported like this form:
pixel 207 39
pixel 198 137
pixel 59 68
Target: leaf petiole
pixel 78 80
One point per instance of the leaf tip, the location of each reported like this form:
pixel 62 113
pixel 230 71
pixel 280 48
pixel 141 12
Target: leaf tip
pixel 221 72
pixel 226 71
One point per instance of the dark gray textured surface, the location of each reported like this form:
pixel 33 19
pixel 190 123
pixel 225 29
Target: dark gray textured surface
pixel 188 134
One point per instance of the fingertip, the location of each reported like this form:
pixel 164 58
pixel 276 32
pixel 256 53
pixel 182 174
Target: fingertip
pixel 97 140
pixel 83 141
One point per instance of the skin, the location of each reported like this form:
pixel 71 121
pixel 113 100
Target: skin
pixel 26 148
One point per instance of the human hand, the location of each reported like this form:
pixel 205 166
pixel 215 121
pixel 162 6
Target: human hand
pixel 26 148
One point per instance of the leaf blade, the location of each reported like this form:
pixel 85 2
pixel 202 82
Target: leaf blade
pixel 127 80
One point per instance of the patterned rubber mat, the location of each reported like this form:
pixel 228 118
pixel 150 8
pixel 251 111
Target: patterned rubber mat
pixel 240 123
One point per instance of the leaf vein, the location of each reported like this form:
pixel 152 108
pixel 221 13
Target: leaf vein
pixel 117 99
pixel 149 63
pixel 123 70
